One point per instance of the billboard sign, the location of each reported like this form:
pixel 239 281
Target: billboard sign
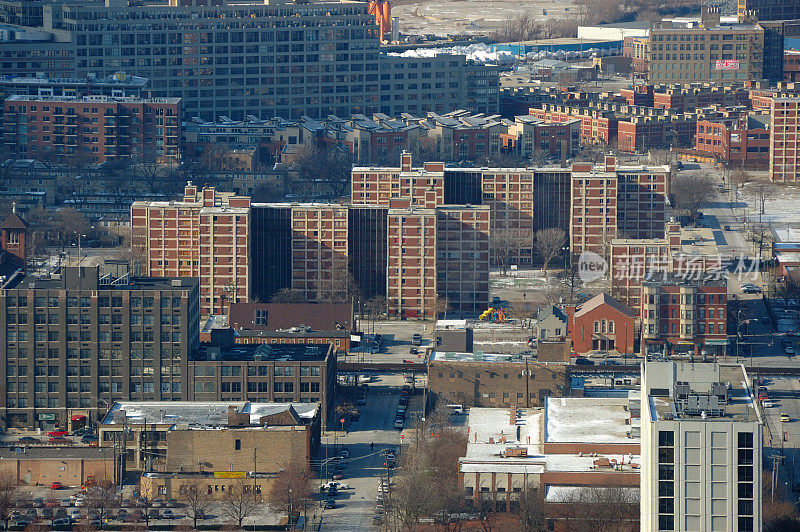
pixel 727 64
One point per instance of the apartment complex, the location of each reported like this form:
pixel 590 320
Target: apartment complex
pixel 616 200
pixel 204 235
pixel 701 448
pixel 76 342
pixel 283 59
pixel 96 128
pixel 707 50
pixel 512 194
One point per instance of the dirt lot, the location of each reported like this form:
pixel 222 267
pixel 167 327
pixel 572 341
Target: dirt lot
pixel 475 17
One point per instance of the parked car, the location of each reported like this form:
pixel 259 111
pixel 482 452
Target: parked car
pixel 57 433
pixel 66 502
pixel 75 514
pixel 29 439
pixel 38 502
pixel 89 438
pixel 413 351
pixel 416 340
pixel 62 522
pixel 767 404
pixel 56 485
pixel 785 417
pixel 398 424
pixel 167 513
pixel 60 440
pixel 580 361
pixel 330 504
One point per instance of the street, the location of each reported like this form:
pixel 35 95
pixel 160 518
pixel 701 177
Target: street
pixel 355 507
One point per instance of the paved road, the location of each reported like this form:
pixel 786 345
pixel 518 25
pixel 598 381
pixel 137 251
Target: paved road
pixel 784 392
pixel 356 506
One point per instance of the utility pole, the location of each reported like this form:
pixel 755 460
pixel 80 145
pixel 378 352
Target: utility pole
pixel 776 464
pixel 255 449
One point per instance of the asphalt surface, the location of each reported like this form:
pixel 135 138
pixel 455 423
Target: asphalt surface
pixel 355 507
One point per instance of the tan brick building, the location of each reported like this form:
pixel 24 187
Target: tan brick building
pixel 706 51
pixel 205 235
pixel 784 164
pixel 493 380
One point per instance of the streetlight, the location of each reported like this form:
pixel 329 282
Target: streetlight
pixel 80 255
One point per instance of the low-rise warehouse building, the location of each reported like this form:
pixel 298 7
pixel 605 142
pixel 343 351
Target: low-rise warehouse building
pixel 71 466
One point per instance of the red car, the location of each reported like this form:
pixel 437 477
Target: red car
pixel 60 440
pixel 57 433
pixel 56 486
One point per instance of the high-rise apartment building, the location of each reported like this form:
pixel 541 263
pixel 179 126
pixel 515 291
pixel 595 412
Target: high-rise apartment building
pixel 511 194
pixel 205 235
pixel 319 252
pixel 96 128
pixel 784 163
pixel 708 50
pixel 701 448
pixel 74 343
pixel 283 58
pixel 613 200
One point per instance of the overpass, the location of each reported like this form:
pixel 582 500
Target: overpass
pixel 397 367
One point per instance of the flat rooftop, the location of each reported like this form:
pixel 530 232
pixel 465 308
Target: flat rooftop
pixel 25 282
pixel 275 352
pixel 588 420
pixel 492 433
pixel 659 384
pixel 200 413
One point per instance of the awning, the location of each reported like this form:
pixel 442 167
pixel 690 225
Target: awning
pixel 684 342
pixel 77 417
pixel 716 342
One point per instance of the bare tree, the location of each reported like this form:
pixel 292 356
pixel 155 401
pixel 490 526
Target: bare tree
pixel 197 501
pixel 440 305
pixel 549 244
pixel 530 509
pixel 612 508
pixel 239 501
pixel 690 191
pixel 288 295
pixel 8 486
pixel 102 499
pixel 291 486
pixel 760 236
pixel 327 165
pixel 739 177
pixel 505 245
pixel 761 192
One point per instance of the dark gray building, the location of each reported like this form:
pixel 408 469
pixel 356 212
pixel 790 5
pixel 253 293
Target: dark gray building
pixel 74 343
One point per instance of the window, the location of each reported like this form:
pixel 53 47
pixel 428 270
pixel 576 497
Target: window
pixel 260 317
pixel 237 445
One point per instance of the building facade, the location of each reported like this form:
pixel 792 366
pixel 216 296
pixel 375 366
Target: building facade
pixel 286 59
pixel 95 128
pixel 73 345
pixel 784 164
pixel 708 51
pixel 701 448
pixel 205 235
pixel 493 380
pixel 689 316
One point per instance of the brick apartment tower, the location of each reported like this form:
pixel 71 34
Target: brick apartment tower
pixel 206 235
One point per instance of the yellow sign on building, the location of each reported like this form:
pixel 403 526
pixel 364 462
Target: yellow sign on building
pixel 230 474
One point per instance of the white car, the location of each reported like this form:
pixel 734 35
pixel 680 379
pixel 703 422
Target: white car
pixel 334 484
pixel 767 404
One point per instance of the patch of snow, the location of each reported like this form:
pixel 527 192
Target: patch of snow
pixel 587 420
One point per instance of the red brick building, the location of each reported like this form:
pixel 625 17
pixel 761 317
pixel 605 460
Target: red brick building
pixel 791 65
pixel 206 235
pixel 736 140
pixel 596 125
pixel 613 201
pixel 637 49
pixel 603 324
pixel 98 128
pixel 784 165
pixel 688 315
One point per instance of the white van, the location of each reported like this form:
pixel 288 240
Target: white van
pixel 456 409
